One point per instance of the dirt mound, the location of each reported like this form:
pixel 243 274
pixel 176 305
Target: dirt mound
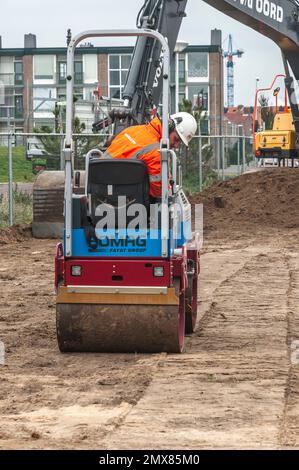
pixel 267 198
pixel 17 233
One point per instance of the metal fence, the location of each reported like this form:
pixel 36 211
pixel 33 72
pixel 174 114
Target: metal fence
pixel 24 156
pixel 213 158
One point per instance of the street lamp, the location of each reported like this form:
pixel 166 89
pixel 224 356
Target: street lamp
pixel 242 148
pixel 257 81
pixel 228 128
pixel 241 127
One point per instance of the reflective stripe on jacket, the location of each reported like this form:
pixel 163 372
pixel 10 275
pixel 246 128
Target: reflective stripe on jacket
pixel 142 142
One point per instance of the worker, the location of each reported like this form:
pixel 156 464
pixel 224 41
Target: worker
pixel 143 142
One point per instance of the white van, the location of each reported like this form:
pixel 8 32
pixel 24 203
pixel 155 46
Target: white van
pixel 34 148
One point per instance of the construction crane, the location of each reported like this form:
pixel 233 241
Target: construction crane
pixel 230 65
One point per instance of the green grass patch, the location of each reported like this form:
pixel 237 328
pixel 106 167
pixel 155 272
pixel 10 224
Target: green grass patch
pixel 22 209
pixel 22 168
pixel 191 182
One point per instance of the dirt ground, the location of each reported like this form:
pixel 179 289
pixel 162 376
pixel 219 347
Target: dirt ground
pixel 237 384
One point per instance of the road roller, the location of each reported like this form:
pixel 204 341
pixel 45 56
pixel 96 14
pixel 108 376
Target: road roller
pixel 126 273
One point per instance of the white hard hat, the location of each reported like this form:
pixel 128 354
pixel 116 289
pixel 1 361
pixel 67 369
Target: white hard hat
pixel 185 125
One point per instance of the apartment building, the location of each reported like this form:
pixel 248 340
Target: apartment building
pixel 33 81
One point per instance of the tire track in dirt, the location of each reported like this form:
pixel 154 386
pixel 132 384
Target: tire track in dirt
pixel 289 429
pixel 227 391
pixel 47 399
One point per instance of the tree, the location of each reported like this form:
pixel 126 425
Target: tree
pixel 190 156
pixel 52 144
pixel 51 147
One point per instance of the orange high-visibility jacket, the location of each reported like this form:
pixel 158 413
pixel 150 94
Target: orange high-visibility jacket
pixel 141 142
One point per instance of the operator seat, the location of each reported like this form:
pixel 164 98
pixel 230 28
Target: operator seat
pixel 109 179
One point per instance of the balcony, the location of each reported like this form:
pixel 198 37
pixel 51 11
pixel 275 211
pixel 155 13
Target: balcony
pixel 11 79
pixel 14 113
pixel 61 79
pixel 7 79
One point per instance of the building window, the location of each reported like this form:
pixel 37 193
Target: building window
pixel 6 72
pixel 118 71
pixel 182 69
pixel 199 96
pixel 88 94
pixel 62 72
pixel 204 127
pixel 197 65
pixel 61 96
pixel 78 94
pixel 44 99
pixel 90 67
pixel 19 107
pixel 7 106
pixel 18 73
pixel 182 93
pixel 44 67
pixel 78 72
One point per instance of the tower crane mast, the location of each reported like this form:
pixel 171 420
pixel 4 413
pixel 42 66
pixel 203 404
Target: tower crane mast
pixel 230 65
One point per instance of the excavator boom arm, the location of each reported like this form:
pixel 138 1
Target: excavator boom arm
pixel 275 19
pixel 143 88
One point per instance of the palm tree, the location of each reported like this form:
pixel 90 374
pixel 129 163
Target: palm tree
pixel 266 112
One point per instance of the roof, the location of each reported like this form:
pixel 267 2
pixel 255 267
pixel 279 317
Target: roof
pixel 210 49
pixel 63 50
pixel 238 116
pixel 20 52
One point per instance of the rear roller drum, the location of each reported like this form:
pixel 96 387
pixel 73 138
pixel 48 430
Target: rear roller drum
pixel 121 328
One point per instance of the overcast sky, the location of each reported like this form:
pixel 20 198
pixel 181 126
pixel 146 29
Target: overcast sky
pixel 50 20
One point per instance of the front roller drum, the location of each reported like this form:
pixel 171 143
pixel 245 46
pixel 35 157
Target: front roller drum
pixel 121 328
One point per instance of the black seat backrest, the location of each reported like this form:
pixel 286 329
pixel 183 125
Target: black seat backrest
pixel 108 179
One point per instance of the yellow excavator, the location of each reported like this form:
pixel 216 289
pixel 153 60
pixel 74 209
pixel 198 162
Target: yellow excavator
pixel 279 143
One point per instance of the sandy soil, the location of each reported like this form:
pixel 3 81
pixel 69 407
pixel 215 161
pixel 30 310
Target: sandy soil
pixel 234 387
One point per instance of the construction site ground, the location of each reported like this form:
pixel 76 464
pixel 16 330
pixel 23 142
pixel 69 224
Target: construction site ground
pixel 235 387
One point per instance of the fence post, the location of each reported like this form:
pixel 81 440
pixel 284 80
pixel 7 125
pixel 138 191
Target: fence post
pixel 239 155
pixel 200 162
pixel 10 179
pixel 244 153
pixel 223 156
pixel 217 156
pixel 61 152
